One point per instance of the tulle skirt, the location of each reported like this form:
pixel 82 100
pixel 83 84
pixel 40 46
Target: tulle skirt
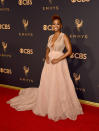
pixel 55 96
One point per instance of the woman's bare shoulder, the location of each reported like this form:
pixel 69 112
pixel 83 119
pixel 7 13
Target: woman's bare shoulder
pixel 65 36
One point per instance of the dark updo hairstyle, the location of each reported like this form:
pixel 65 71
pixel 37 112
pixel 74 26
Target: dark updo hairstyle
pixel 55 16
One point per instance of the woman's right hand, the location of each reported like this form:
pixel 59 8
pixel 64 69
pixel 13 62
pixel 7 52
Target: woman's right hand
pixel 47 60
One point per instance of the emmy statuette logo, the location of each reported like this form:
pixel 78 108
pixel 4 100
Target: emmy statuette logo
pixel 26 33
pixel 4 52
pixel 78 23
pixel 25 23
pixel 50 1
pixel 76 77
pixel 2 2
pixel 26 79
pixel 2 8
pixel 79 33
pixel 26 70
pixel 4 45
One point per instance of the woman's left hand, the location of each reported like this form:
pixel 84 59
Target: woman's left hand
pixel 54 61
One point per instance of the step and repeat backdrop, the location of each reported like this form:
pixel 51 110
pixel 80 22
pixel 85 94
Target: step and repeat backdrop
pixel 24 29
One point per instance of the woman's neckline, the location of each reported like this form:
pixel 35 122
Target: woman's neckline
pixel 55 40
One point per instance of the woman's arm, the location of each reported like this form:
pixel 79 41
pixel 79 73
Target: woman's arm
pixel 68 47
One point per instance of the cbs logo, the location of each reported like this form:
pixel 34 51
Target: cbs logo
pixel 6 71
pixel 26 51
pixel 47 27
pixel 25 2
pixel 73 1
pixel 78 56
pixel 4 26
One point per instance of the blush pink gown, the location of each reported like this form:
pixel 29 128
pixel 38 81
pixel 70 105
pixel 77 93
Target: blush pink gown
pixel 56 95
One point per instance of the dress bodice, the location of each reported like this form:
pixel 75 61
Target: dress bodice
pixel 58 44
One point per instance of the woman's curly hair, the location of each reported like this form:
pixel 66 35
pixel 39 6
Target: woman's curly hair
pixel 55 16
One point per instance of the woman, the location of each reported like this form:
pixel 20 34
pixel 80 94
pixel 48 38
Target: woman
pixel 56 95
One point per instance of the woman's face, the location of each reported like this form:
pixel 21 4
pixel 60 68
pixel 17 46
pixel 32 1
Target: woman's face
pixel 56 25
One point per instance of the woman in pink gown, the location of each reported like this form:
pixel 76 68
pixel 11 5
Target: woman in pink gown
pixel 56 95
